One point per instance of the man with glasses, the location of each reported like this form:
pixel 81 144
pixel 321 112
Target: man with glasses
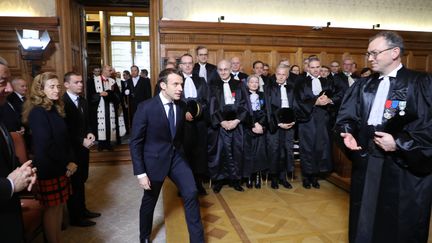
pixel 196 95
pixel 385 122
pixel 202 68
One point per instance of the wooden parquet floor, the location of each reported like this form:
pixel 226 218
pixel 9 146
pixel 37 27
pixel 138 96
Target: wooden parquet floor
pixel 264 215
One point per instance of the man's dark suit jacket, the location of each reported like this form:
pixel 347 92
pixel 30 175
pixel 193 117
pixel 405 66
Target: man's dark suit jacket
pixel 138 93
pixel 78 125
pixel 10 118
pixel 16 102
pixel 211 71
pixel 151 145
pixel 11 229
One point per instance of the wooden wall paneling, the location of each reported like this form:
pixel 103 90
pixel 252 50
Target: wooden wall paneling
pixel 269 43
pixel 429 63
pixel 155 40
pixel 419 62
pixel 9 44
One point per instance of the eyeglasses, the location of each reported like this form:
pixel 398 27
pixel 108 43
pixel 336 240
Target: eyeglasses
pixel 374 54
pixel 186 63
pixel 205 54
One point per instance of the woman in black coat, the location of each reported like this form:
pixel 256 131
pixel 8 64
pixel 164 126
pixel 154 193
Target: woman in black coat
pixel 44 113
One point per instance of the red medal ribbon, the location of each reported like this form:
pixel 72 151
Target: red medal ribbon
pixel 388 104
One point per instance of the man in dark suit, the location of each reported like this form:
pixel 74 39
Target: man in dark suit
pixel 12 179
pixel 138 89
pixel 12 109
pixel 17 98
pixel 156 152
pixel 77 121
pixel 202 68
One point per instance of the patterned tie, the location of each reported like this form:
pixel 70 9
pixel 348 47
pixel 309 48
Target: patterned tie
pixel 171 119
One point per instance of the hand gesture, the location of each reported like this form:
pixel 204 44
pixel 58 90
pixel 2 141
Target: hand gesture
pixel 350 141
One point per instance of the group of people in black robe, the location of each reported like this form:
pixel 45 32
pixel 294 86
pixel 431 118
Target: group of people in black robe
pixel 382 121
pixel 240 128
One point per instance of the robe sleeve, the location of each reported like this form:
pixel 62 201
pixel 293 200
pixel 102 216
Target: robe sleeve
pixel 305 102
pixel 414 142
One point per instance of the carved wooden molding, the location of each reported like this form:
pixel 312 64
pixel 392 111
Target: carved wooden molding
pixel 40 23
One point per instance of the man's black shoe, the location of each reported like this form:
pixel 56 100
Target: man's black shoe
pixel 83 223
pixel 237 187
pixel 146 240
pixel 89 214
pixel 249 183
pixel 274 184
pixel 306 184
pixel 217 187
pixel 315 183
pixel 285 183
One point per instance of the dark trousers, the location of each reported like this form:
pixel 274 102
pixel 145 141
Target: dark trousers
pixel 76 203
pixel 181 175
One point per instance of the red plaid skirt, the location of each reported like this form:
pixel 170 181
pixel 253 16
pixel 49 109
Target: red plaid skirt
pixel 53 192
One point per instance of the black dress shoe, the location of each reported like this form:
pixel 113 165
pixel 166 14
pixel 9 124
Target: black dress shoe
pixel 274 184
pixel 285 183
pixel 89 214
pixel 315 183
pixel 217 187
pixel 306 184
pixel 258 181
pixel 146 240
pixel 237 187
pixel 83 223
pixel 249 183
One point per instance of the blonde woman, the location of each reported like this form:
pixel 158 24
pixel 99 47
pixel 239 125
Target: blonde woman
pixel 44 112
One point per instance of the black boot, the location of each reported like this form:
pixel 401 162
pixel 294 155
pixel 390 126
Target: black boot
pixel 258 180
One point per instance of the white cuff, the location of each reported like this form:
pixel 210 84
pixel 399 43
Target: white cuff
pixel 141 175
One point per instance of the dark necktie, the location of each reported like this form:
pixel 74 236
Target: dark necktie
pixel 171 119
pixel 23 99
pixel 80 108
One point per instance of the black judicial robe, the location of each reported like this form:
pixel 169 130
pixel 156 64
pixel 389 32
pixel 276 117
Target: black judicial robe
pixel 279 141
pixel 93 98
pixel 391 192
pixel 226 147
pixel 195 132
pixel 313 124
pixel 255 151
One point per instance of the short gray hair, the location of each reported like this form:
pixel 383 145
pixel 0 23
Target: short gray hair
pixel 393 40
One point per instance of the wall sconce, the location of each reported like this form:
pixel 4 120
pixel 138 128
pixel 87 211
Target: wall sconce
pixel 328 24
pixel 375 26
pixel 32 47
pixel 221 18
